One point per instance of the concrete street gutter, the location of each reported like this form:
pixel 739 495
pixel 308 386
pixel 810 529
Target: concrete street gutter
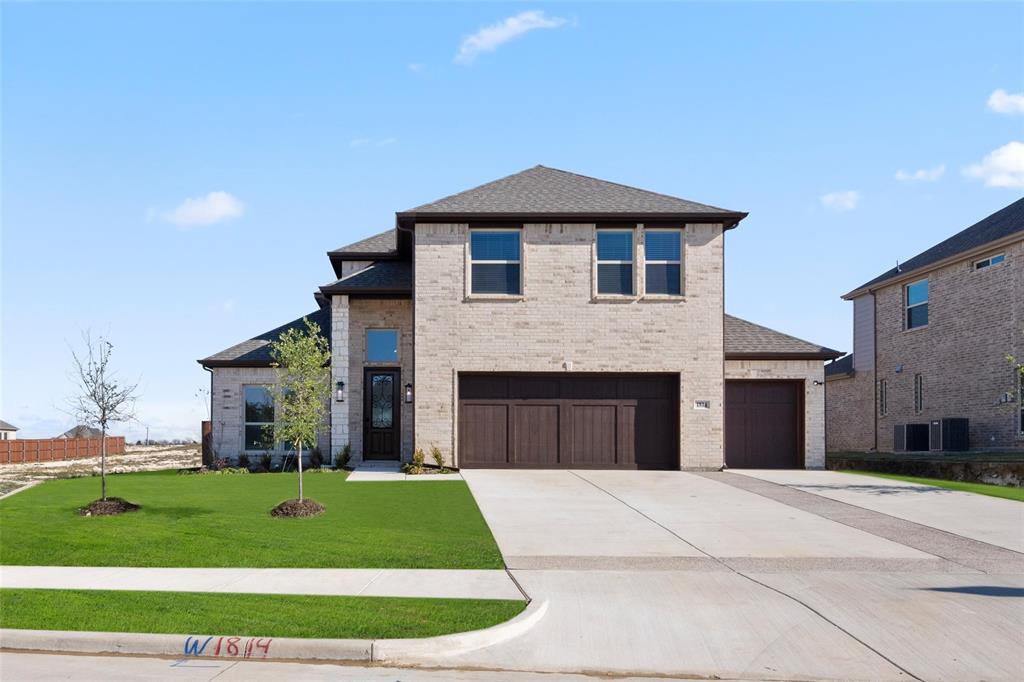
pixel 225 647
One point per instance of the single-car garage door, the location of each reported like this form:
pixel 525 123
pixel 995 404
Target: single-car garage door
pixel 764 424
pixel 550 421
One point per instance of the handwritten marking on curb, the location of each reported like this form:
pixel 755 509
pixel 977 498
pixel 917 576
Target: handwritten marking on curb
pixel 228 647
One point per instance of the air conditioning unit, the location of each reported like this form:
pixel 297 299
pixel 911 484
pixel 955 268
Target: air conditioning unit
pixel 949 434
pixel 910 438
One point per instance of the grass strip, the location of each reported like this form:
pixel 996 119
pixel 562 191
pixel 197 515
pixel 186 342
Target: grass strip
pixel 248 615
pixel 1006 492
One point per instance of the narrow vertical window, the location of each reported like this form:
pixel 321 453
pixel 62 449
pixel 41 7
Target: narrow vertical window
pixel 259 418
pixel 495 262
pixel 1020 402
pixel 615 262
pixel 883 398
pixel 663 261
pixel 916 301
pixel 918 394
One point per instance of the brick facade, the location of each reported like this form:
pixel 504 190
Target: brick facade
pixel 807 371
pixel 558 324
pixel 975 319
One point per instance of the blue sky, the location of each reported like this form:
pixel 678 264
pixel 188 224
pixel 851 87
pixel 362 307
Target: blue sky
pixel 297 128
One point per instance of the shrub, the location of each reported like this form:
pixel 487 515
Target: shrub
pixel 266 459
pixel 345 456
pixel 243 461
pixel 220 463
pixel 438 457
pixel 416 465
pixel 316 460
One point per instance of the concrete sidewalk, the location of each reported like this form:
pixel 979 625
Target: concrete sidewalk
pixel 366 582
pixel 993 520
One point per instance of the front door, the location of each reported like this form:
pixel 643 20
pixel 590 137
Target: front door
pixel 380 410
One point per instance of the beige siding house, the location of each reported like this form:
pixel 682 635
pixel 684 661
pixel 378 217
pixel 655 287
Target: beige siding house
pixel 931 340
pixel 546 319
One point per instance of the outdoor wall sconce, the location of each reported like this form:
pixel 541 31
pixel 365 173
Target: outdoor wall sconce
pixel 339 391
pixel 408 393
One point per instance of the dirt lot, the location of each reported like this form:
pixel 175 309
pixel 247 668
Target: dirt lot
pixel 137 458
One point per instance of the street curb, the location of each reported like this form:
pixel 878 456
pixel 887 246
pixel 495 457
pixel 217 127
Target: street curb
pixel 224 647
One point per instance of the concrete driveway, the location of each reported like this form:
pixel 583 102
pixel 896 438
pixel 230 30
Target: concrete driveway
pixel 740 576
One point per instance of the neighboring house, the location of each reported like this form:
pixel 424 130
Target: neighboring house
pixel 543 320
pixel 82 431
pixel 930 341
pixel 8 431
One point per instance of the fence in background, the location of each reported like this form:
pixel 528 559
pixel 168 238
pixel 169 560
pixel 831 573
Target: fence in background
pixel 56 449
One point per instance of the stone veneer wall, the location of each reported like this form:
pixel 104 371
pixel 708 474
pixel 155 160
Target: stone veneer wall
pixel 975 319
pixel 558 325
pixel 807 371
pixel 227 408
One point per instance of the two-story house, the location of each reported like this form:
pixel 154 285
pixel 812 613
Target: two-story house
pixel 546 319
pixel 930 342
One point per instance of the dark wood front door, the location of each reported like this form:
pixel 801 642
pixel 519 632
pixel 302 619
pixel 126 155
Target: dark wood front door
pixel 764 426
pixel 381 414
pixel 586 421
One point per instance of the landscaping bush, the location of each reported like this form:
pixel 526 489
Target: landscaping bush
pixel 266 460
pixel 345 456
pixel 316 460
pixel 243 461
pixel 416 465
pixel 438 457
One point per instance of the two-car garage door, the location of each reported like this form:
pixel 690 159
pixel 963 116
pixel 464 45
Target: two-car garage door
pixel 598 421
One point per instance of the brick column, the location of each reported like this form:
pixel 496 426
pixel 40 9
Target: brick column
pixel 339 372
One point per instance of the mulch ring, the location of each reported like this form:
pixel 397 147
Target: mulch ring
pixel 108 507
pixel 296 508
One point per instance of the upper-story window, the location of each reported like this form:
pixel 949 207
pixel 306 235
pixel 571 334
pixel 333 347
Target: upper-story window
pixel 259 418
pixel 991 260
pixel 915 296
pixel 495 258
pixel 381 345
pixel 663 261
pixel 615 262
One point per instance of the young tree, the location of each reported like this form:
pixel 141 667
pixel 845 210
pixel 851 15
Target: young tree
pixel 302 358
pixel 100 399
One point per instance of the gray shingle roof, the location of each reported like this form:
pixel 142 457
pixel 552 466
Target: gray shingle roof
pixel 541 190
pixel 256 351
pixel 7 426
pixel 82 431
pixel 746 339
pixel 1002 223
pixel 383 243
pixel 842 366
pixel 389 277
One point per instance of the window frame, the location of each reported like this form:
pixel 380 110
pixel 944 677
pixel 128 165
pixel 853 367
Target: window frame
pixel 246 423
pixel 907 306
pixel 1020 404
pixel 918 394
pixel 883 398
pixel 632 263
pixel 470 262
pixel 398 346
pixel 647 262
pixel 986 262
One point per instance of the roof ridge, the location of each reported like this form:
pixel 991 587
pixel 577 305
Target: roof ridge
pixel 629 187
pixel 476 187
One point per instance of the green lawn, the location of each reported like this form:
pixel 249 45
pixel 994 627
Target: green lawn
pixel 224 520
pixel 979 488
pixel 248 615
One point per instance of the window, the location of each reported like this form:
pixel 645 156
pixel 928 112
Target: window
pixel 494 257
pixel 663 261
pixel 918 393
pixel 916 301
pixel 1020 402
pixel 381 345
pixel 991 260
pixel 615 262
pixel 259 418
pixel 883 398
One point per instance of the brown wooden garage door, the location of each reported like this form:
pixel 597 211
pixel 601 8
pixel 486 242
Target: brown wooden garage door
pixel 551 421
pixel 764 424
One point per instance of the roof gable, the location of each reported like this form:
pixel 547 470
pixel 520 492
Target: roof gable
pixel 256 351
pixel 543 191
pixel 748 340
pixel 999 225
pixel 383 243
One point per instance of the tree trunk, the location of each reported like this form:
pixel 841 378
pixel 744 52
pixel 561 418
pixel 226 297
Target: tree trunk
pixel 103 461
pixel 300 471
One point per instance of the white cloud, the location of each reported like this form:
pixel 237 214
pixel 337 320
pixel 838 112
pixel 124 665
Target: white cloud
pixel 416 67
pixel 489 38
pixel 1003 102
pixel 841 201
pixel 922 175
pixel 215 207
pixel 1003 167
pixel 359 142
